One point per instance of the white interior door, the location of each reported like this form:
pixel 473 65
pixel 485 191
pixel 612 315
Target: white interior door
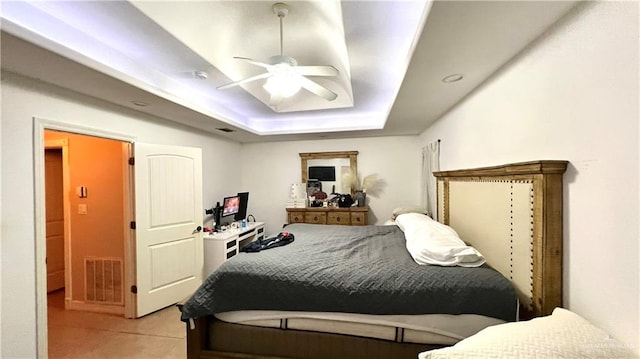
pixel 169 244
pixel 54 198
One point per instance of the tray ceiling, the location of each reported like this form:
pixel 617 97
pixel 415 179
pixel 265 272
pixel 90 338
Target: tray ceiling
pixel 391 56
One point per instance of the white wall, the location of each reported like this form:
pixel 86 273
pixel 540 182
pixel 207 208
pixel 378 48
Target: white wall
pixel 23 99
pixel 265 170
pixel 572 96
pixel 269 169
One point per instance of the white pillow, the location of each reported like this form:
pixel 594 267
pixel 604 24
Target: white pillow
pixel 563 334
pixel 408 209
pixel 431 242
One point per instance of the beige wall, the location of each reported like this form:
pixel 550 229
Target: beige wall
pixel 572 96
pixel 97 164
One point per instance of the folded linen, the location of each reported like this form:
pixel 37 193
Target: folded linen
pixel 431 242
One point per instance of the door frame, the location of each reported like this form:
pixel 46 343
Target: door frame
pixel 39 126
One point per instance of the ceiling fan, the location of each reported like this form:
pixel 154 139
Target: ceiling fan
pixel 284 77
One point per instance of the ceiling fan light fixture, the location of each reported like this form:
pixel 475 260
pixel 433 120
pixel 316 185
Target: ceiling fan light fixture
pixel 284 84
pixel 284 78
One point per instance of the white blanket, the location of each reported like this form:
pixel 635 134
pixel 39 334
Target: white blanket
pixel 431 242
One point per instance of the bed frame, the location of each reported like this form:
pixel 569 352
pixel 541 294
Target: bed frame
pixel 511 213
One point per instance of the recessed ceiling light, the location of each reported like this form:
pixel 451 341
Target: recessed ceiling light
pixel 452 78
pixel 200 75
pixel 140 103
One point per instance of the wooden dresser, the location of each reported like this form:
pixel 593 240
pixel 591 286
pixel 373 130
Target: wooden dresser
pixel 350 216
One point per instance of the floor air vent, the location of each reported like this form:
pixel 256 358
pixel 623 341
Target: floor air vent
pixel 103 280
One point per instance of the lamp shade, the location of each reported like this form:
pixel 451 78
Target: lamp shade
pixel 285 81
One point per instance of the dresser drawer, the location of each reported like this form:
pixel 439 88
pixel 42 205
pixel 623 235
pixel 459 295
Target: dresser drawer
pixel 354 216
pixel 339 218
pixel 296 217
pixel 359 218
pixel 315 217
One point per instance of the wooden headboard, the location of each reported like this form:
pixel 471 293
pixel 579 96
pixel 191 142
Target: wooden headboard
pixel 513 215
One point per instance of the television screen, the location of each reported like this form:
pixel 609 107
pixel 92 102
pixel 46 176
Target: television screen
pixel 322 173
pixel 230 205
pixel 242 212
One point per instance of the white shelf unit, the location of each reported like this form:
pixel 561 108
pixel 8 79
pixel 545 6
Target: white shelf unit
pixel 222 246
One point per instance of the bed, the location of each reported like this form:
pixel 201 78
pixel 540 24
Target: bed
pixel 379 310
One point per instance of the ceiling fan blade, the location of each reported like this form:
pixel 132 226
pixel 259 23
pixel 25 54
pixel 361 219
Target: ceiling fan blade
pixel 253 62
pixel 275 100
pixel 316 70
pixel 248 79
pixel 317 89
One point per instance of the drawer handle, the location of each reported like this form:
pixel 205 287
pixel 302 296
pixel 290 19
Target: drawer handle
pixel 338 219
pixel 231 244
pixel 357 219
pixel 231 254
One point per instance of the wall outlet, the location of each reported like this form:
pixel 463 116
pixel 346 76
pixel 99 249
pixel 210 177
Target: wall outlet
pixel 82 209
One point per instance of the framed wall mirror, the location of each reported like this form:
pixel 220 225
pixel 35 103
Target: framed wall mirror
pixel 323 170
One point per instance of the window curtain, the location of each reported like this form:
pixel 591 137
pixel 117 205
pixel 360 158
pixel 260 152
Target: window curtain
pixel 430 164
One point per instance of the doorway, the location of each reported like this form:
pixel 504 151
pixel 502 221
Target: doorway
pixel 40 144
pixel 157 167
pixel 86 174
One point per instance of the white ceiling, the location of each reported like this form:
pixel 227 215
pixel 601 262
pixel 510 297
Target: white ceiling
pixel 392 57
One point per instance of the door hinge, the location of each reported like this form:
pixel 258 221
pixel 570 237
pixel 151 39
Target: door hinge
pixel 134 289
pixel 132 161
pixel 132 225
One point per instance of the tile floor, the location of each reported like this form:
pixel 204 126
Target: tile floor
pixel 75 334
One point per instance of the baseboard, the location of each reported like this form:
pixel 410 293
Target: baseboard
pixel 92 307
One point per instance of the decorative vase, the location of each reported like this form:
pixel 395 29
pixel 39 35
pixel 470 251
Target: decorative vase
pixel 361 197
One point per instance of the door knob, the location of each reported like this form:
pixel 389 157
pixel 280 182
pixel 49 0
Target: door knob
pixel 198 229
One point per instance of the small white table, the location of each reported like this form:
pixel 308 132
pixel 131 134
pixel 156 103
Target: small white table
pixel 219 247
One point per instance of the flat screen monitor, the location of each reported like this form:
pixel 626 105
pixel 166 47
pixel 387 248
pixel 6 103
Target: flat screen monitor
pixel 322 173
pixel 230 205
pixel 242 212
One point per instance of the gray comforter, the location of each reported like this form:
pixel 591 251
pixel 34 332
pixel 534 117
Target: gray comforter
pixel 349 269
